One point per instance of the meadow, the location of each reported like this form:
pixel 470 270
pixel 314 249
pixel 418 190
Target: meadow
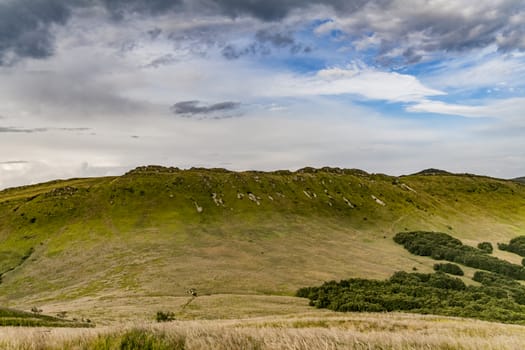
pixel 303 331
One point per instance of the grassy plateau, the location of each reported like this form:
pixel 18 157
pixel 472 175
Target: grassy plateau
pixel 116 250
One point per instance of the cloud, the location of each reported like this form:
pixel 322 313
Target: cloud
pixel 71 129
pixel 408 31
pixel 164 60
pixel 192 108
pixel 277 39
pixel 302 108
pixel 72 86
pixel 25 27
pixel 267 10
pixel 14 162
pixel 21 130
pixel 440 107
pixel 474 72
pixel 264 41
pixel 15 130
pixel 359 80
pixel 119 8
pixel 509 110
pixel 414 30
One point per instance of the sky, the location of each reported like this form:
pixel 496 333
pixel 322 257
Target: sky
pixel 98 87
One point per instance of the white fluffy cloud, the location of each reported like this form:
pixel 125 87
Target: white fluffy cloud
pixel 356 80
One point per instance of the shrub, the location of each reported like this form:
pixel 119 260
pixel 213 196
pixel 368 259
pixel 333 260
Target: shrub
pixel 516 246
pixel 441 246
pixel 442 281
pixel 165 316
pixel 452 269
pixel 436 293
pixel 486 247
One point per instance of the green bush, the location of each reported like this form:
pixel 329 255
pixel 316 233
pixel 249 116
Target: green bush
pixel 452 269
pixel 516 246
pixel 165 316
pixel 498 298
pixel 441 246
pixel 486 247
pixel 502 286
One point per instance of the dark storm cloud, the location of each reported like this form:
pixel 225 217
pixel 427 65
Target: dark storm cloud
pixel 119 8
pixel 265 40
pixel 190 108
pixel 443 28
pixel 277 39
pixel 231 52
pixel 273 10
pixel 26 26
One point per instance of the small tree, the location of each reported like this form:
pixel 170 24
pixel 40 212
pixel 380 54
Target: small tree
pixel 486 247
pixel 452 269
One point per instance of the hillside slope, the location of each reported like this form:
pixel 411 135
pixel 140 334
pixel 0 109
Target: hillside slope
pixel 156 232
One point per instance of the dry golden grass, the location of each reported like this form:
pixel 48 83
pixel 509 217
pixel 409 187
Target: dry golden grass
pixel 109 311
pixel 348 331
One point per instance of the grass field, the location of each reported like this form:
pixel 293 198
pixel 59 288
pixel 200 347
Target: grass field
pixel 302 331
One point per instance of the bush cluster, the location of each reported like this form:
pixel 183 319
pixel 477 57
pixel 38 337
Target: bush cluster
pixel 452 269
pixel 486 247
pixel 441 246
pixel 165 316
pixel 435 293
pixel 516 246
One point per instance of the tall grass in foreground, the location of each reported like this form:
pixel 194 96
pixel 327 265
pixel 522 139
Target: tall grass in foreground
pixel 353 331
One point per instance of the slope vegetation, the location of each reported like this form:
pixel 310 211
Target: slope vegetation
pixel 157 232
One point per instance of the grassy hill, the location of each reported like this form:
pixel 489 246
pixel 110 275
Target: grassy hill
pixel 520 179
pixel 156 232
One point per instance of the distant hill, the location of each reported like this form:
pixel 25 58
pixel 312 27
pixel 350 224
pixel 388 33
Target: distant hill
pixel 432 171
pixel 157 232
pixel 520 179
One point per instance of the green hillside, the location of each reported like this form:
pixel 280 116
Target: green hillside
pixel 157 232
